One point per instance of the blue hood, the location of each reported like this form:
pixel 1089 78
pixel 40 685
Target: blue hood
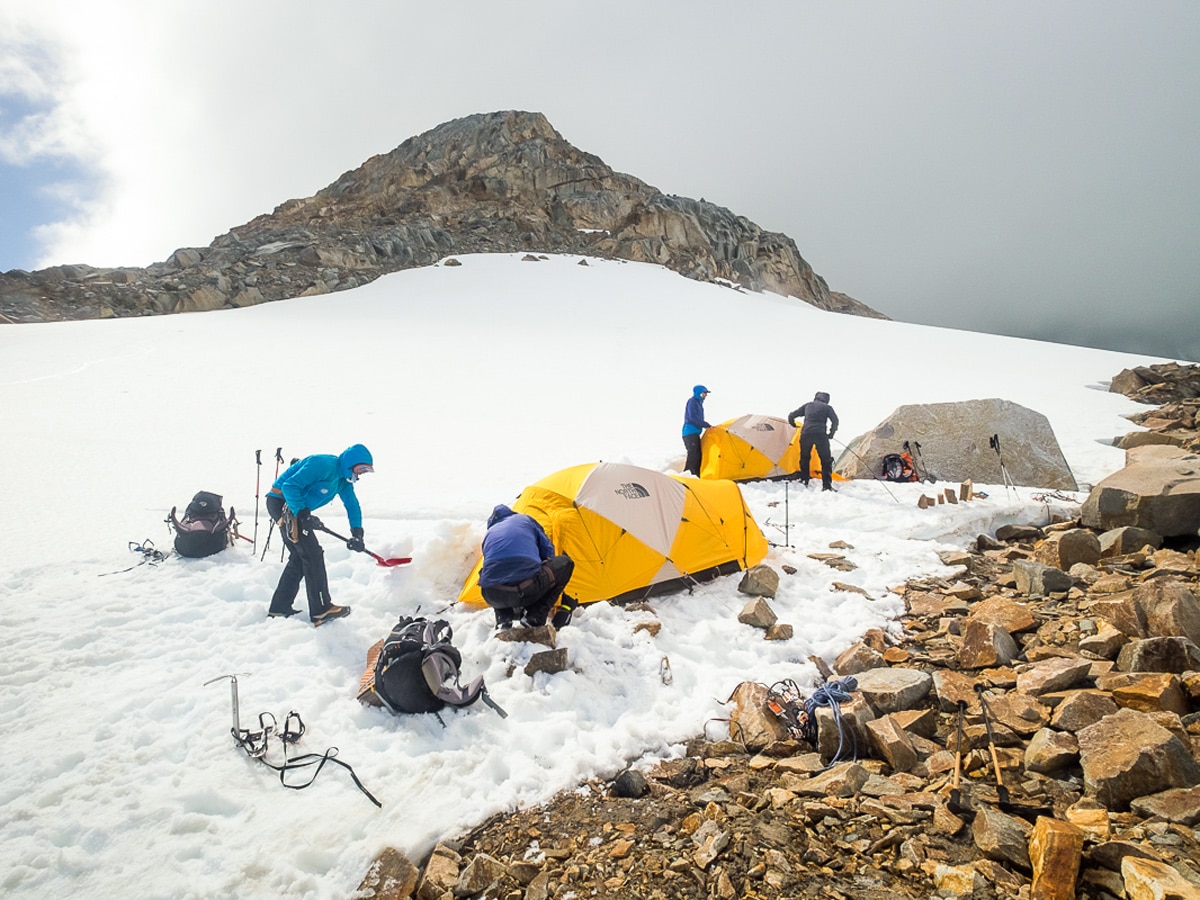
pixel 499 513
pixel 700 389
pixel 351 457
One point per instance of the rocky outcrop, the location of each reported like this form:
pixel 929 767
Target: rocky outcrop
pixel 1157 490
pixel 1177 388
pixel 955 444
pixel 487 183
pixel 1161 383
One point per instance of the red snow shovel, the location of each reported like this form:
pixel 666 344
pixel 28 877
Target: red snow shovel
pixel 388 563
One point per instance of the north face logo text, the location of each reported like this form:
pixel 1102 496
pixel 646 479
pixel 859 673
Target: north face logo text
pixel 631 490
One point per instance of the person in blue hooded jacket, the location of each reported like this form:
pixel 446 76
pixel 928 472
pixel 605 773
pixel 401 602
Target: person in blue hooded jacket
pixel 693 426
pixel 305 485
pixel 521 574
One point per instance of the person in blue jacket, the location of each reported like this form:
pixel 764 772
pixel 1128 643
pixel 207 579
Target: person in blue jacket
pixel 693 426
pixel 521 574
pixel 305 485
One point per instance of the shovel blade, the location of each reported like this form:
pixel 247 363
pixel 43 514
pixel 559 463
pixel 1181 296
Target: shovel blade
pixel 393 561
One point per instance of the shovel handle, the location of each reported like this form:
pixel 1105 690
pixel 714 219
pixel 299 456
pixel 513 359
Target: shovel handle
pixel 1001 790
pixel 962 706
pixel 400 561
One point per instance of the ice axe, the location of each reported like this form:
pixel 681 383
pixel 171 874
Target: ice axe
pixel 955 804
pixel 393 561
pixel 1002 795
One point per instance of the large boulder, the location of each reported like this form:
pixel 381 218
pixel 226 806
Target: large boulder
pixel 956 444
pixel 1159 490
pixel 1128 755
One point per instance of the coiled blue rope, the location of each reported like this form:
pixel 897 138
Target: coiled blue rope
pixel 833 694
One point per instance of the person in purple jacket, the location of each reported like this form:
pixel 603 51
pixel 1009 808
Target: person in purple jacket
pixel 521 574
pixel 693 426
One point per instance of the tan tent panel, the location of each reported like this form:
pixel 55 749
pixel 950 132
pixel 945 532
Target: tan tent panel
pixel 634 532
pixel 750 448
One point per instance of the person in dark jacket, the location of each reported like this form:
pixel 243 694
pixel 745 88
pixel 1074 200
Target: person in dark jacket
pixel 693 426
pixel 305 485
pixel 818 415
pixel 521 574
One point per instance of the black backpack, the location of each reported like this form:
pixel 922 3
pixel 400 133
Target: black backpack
pixel 418 668
pixel 204 528
pixel 898 467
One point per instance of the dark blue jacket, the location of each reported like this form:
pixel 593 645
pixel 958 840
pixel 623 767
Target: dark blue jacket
pixel 693 413
pixel 513 548
pixel 312 482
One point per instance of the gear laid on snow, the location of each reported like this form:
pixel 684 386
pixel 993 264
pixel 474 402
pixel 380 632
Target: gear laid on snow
pixel 257 744
pixel 205 529
pixel 417 671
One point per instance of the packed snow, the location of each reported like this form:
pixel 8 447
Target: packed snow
pixel 467 383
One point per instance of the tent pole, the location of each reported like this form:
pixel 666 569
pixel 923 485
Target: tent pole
pixel 787 525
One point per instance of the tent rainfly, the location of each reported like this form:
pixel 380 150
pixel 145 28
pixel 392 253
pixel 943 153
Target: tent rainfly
pixel 750 448
pixel 634 532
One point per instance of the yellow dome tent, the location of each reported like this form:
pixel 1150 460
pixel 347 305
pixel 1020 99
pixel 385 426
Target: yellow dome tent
pixel 634 532
pixel 750 448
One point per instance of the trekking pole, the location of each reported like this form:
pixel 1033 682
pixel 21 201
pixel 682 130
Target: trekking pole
pixel 994 443
pixel 267 542
pixel 257 488
pixel 914 450
pixel 921 457
pixel 869 469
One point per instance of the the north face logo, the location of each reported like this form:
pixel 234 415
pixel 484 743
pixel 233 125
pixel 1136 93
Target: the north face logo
pixel 631 490
pixel 764 426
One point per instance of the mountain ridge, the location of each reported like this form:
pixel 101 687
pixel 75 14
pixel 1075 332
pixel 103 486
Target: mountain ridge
pixel 489 182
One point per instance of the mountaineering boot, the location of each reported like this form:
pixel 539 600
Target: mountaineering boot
pixel 282 614
pixel 333 612
pixel 504 619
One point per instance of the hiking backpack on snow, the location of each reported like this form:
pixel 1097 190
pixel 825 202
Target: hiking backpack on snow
pixel 204 528
pixel 898 467
pixel 418 668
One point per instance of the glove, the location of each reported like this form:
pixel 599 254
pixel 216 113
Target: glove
pixel 303 517
pixel 562 616
pixel 356 541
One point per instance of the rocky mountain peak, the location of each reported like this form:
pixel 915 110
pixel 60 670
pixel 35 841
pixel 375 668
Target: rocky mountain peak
pixel 490 182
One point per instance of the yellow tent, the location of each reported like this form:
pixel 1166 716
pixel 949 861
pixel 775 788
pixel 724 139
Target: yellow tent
pixel 633 532
pixel 753 447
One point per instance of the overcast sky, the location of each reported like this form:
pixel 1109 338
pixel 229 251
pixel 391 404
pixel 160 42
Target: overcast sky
pixel 1022 168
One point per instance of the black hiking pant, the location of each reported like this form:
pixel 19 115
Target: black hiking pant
pixel 533 598
pixel 692 443
pixel 305 562
pixel 820 440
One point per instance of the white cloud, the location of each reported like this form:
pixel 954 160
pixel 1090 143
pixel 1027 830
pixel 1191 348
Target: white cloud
pixel 896 146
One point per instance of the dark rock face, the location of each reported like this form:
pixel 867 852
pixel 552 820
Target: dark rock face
pixel 489 183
